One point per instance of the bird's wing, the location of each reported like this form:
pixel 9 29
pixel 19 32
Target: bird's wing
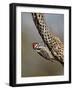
pixel 45 52
pixel 53 42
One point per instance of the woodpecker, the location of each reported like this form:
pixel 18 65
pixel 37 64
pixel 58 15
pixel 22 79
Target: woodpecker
pixel 53 43
pixel 43 51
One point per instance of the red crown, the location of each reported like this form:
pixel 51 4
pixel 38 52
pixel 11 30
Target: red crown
pixel 34 44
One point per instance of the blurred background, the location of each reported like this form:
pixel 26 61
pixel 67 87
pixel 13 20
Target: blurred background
pixel 32 63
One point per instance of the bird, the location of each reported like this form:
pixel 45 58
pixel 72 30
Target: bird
pixel 43 51
pixel 52 42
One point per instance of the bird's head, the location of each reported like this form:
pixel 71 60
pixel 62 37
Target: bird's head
pixel 35 45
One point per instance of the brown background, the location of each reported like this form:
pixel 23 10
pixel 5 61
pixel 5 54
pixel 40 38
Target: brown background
pixel 32 63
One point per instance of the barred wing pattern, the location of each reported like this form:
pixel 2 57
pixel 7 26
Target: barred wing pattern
pixel 53 42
